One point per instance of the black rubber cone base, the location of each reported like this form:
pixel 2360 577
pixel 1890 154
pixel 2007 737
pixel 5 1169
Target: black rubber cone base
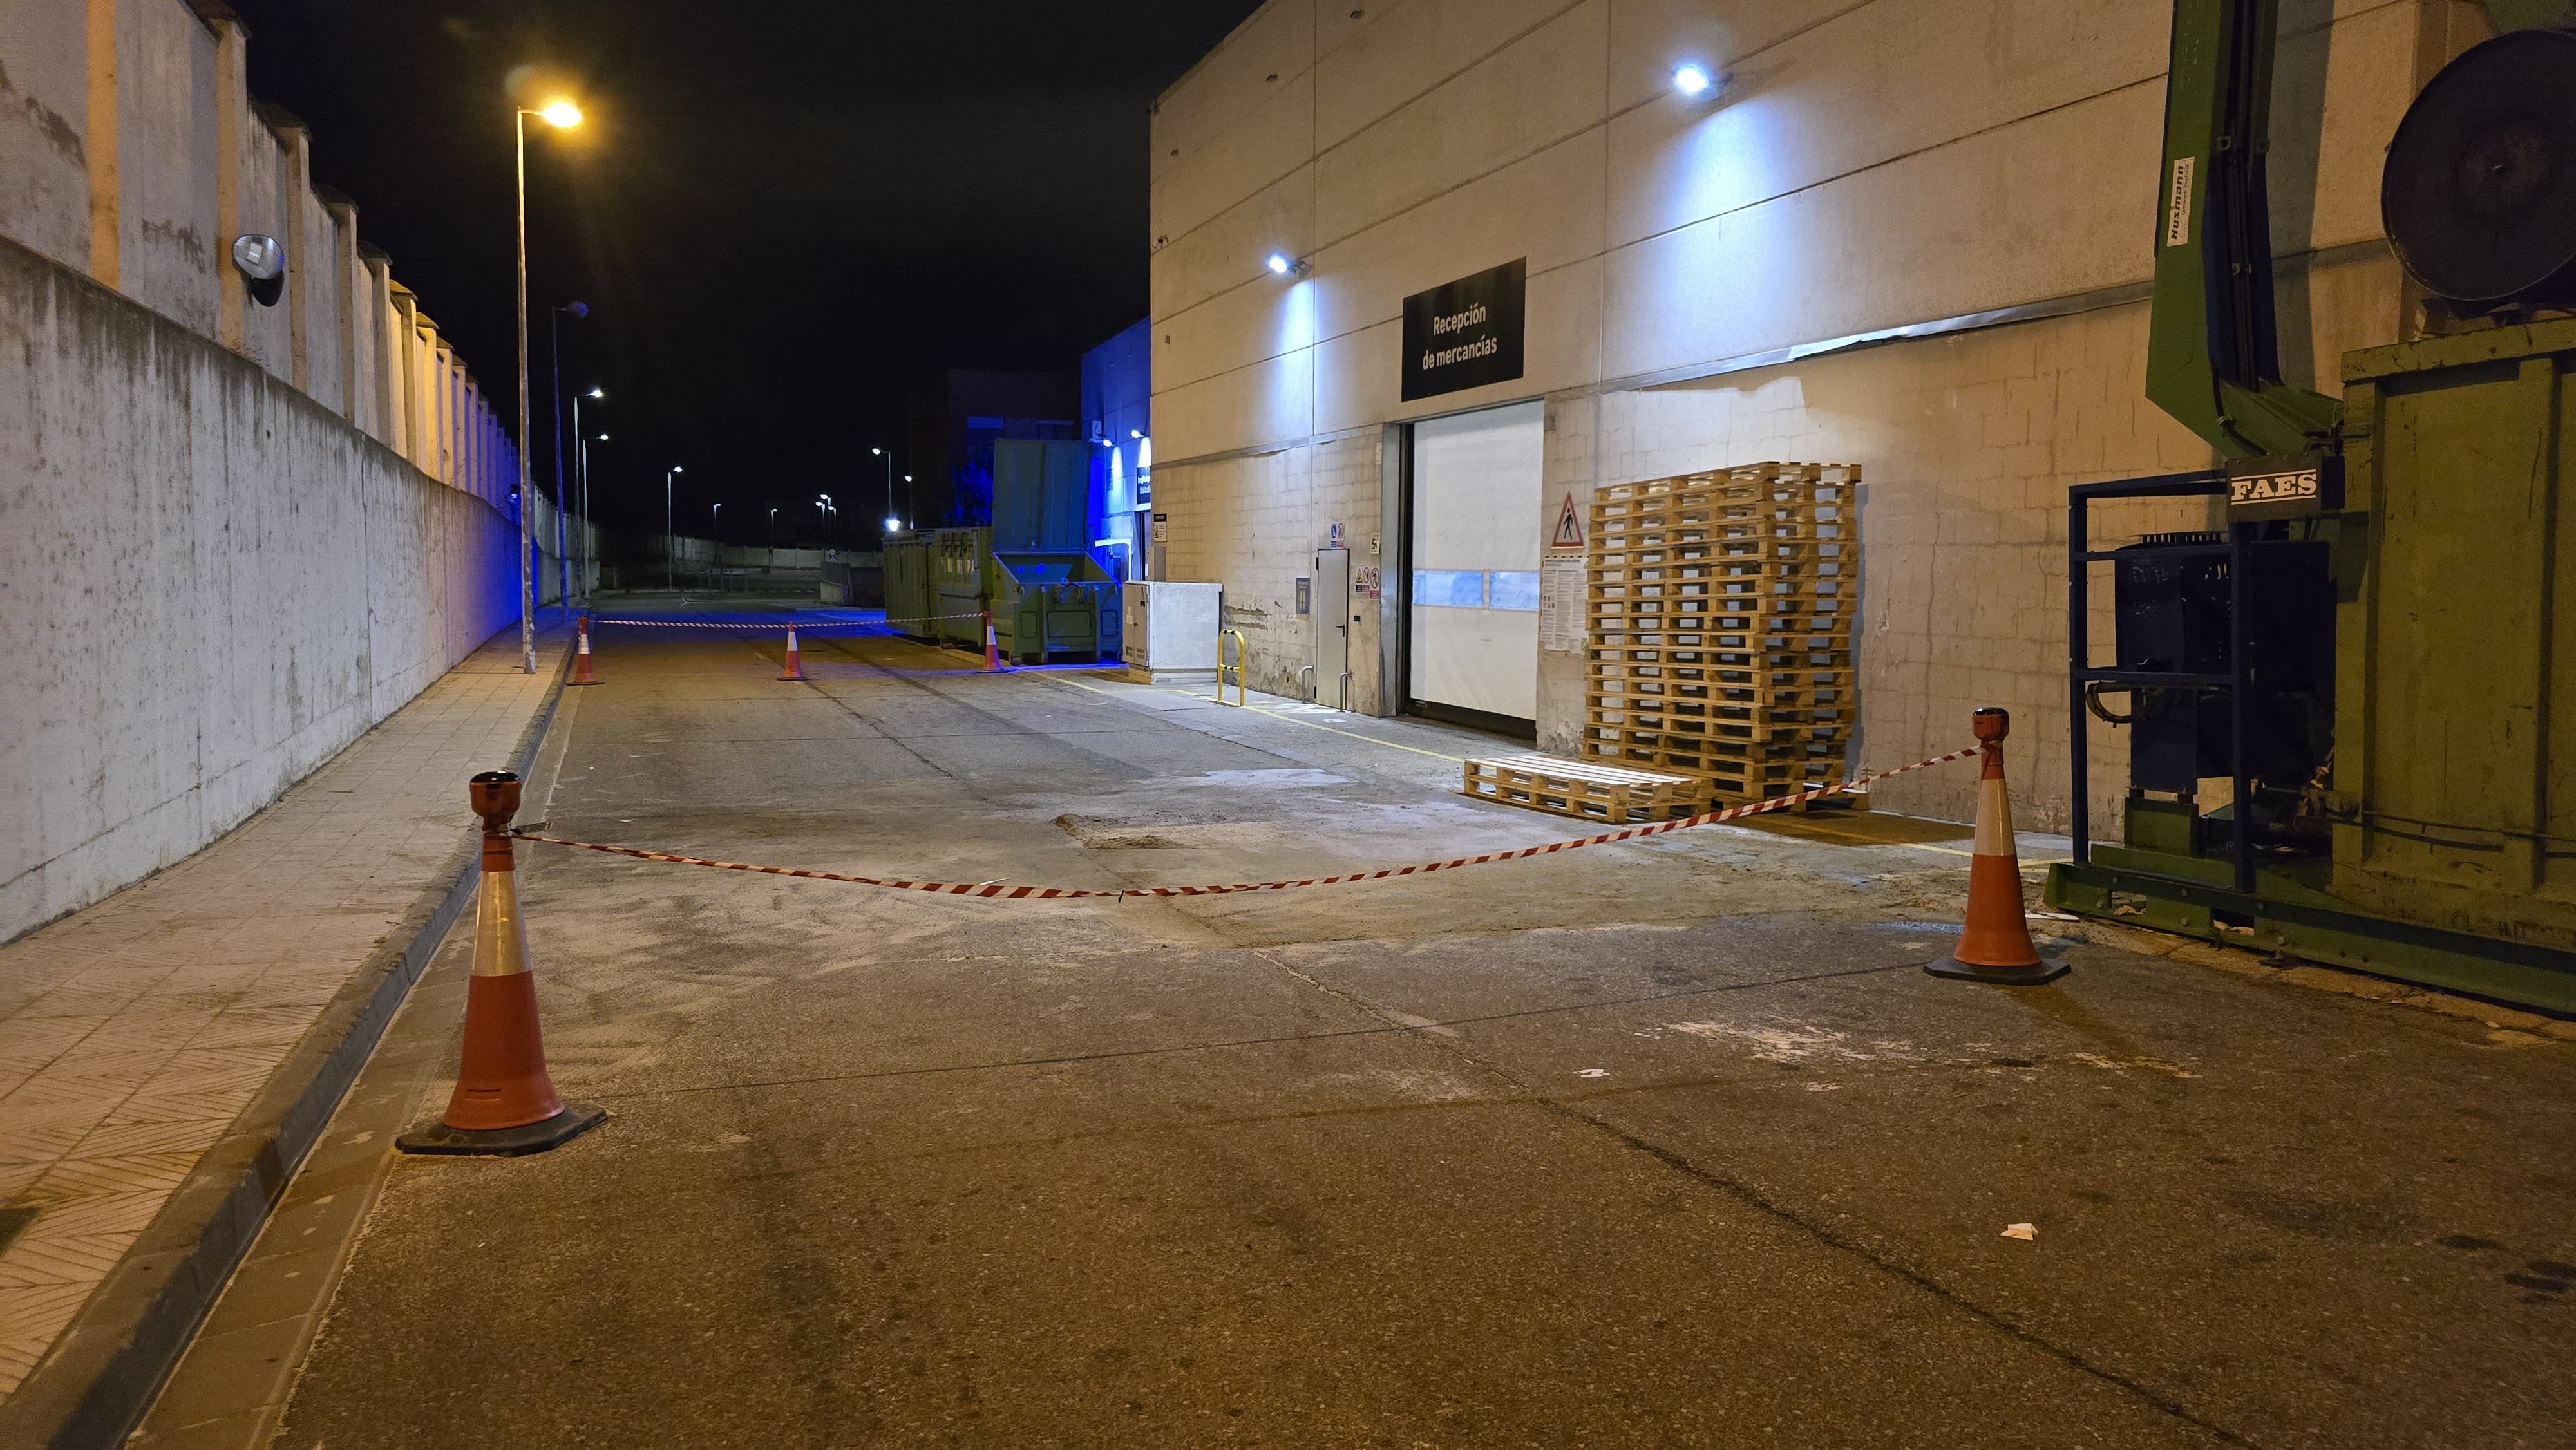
pixel 1960 971
pixel 576 684
pixel 442 1140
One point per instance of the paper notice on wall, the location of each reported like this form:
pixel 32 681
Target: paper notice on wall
pixel 1560 604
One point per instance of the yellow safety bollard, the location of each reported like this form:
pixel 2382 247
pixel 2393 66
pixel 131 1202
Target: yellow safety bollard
pixel 1242 652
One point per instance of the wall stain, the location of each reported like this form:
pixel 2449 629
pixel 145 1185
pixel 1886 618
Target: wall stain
pixel 49 124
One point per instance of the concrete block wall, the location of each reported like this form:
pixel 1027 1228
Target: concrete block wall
pixel 1895 164
pixel 209 584
pixel 1253 522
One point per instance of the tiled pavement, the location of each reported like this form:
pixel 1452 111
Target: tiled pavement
pixel 133 1034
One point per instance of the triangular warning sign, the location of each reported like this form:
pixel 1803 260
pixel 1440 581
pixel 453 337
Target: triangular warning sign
pixel 1569 527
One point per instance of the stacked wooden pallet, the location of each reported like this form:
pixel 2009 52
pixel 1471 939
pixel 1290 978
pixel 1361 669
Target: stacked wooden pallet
pixel 1721 619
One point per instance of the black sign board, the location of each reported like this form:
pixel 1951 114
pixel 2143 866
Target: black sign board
pixel 1466 333
pixel 2284 486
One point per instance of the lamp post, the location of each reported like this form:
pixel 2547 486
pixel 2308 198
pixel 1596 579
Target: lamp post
pixel 670 536
pixel 581 479
pixel 554 410
pixel 559 114
pixel 888 456
pixel 590 545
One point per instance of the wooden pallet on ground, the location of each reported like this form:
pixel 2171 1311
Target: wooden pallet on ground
pixel 1589 790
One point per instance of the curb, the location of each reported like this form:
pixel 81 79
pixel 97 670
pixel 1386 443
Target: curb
pixel 94 1387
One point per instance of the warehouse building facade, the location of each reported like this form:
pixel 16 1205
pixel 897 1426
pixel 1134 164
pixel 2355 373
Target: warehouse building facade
pixel 1427 274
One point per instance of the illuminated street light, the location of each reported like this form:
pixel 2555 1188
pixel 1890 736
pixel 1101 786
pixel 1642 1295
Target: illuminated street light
pixel 670 535
pixel 888 455
pixel 558 113
pixel 581 481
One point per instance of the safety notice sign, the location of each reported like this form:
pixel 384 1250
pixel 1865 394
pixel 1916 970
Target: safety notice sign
pixel 1569 527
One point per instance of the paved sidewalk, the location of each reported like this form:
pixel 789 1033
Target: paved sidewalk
pixel 143 1034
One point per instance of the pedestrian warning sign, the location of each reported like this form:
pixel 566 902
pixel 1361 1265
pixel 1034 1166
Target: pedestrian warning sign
pixel 1569 527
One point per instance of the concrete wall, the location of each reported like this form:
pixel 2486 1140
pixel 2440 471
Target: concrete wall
pixel 209 584
pixel 131 151
pixel 1873 166
pixel 232 536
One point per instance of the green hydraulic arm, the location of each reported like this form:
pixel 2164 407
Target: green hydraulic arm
pixel 2213 361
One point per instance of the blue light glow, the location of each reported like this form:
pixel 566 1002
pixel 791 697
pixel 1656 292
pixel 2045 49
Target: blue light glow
pixel 1692 80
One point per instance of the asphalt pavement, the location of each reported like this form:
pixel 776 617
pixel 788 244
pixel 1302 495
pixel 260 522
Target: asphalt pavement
pixel 1661 1143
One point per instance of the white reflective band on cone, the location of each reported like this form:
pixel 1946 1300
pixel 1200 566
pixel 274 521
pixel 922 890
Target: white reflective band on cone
pixel 500 937
pixel 1994 819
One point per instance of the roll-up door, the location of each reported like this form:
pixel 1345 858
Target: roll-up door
pixel 1475 546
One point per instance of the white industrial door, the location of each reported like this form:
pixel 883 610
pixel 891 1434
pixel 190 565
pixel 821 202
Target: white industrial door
pixel 1475 546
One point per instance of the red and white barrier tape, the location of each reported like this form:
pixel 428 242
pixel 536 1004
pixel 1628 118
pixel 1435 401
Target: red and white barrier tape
pixel 801 626
pixel 1057 893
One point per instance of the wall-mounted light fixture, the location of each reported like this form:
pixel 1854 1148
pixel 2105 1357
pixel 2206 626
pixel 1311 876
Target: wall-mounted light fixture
pixel 262 263
pixel 1283 265
pixel 1694 80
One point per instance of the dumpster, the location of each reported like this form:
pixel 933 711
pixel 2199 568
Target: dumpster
pixel 1054 604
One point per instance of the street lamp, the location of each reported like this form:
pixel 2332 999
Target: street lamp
pixel 560 114
pixel 581 480
pixel 715 520
pixel 554 410
pixel 670 536
pixel 888 456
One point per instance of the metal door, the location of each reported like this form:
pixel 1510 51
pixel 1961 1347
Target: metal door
pixel 1332 619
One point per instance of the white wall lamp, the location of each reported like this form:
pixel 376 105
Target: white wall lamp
pixel 1697 82
pixel 262 262
pixel 1283 265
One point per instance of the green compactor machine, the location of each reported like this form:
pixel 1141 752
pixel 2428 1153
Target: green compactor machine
pixel 2350 699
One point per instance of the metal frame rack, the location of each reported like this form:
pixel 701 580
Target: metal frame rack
pixel 2082 675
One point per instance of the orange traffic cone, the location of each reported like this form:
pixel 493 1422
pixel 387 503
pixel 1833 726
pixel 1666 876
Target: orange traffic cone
pixel 794 671
pixel 504 1104
pixel 992 651
pixel 581 656
pixel 1995 947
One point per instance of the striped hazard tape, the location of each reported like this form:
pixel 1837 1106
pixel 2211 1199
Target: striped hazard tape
pixel 1000 891
pixel 773 626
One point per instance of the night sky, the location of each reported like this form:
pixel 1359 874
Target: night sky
pixel 779 213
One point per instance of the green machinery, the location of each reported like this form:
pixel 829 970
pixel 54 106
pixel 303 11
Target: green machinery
pixel 1048 596
pixel 2374 644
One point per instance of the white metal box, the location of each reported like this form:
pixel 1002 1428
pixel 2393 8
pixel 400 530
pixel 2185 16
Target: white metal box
pixel 1171 631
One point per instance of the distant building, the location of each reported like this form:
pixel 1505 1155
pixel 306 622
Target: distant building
pixel 1117 413
pixel 954 419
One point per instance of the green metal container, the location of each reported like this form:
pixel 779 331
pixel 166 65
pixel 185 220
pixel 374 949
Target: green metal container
pixel 1054 604
pixel 910 597
pixel 2455 756
pixel 961 592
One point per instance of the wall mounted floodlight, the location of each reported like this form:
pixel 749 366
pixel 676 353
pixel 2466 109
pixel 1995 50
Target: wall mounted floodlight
pixel 1694 80
pixel 893 524
pixel 262 262
pixel 1283 265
